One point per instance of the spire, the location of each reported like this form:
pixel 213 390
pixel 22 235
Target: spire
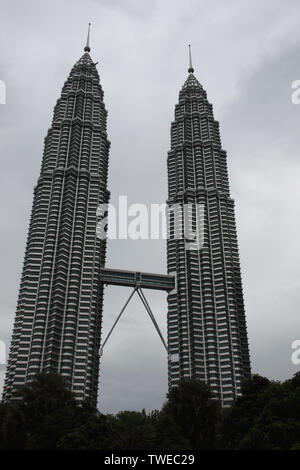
pixel 87 47
pixel 190 70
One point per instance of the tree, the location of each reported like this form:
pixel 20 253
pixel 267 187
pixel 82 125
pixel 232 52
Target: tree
pixel 277 426
pixel 132 430
pixel 240 418
pixel 266 416
pixel 46 411
pixel 195 411
pixel 95 434
pixel 12 427
pixel 47 416
pixel 168 435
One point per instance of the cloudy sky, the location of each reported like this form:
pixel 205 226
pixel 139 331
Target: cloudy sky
pixel 246 54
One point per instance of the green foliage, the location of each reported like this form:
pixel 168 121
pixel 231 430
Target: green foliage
pixel 12 427
pixel 194 410
pixel 132 430
pixel 94 434
pixel 267 416
pixel 44 412
pixel 47 416
pixel 241 417
pixel 169 435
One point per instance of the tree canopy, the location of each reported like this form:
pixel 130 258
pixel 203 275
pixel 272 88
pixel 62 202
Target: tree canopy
pixel 47 416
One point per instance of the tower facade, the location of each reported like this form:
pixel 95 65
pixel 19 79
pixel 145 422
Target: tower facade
pixel 207 337
pixel 58 319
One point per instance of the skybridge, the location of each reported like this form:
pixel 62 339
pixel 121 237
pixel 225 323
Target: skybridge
pixel 138 281
pixel 119 277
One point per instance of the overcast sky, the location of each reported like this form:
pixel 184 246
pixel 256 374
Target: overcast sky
pixel 246 54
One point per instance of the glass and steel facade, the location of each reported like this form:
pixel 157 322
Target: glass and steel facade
pixel 58 319
pixel 207 335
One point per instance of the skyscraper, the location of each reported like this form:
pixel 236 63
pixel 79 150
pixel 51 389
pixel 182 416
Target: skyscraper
pixel 207 337
pixel 58 318
pixel 59 311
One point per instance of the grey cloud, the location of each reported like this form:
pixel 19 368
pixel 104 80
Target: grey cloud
pixel 246 55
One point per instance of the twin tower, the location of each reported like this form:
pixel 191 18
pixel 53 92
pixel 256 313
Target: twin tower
pixel 59 312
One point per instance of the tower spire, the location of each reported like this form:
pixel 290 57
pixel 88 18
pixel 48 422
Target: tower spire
pixel 190 69
pixel 87 47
